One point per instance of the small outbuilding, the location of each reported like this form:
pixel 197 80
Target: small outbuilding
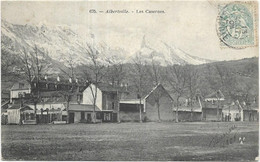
pixel 232 112
pixel 83 113
pixel 20 115
pixel 155 105
pixel 212 106
pixel 189 110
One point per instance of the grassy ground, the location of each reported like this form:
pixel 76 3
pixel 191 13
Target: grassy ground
pixel 131 141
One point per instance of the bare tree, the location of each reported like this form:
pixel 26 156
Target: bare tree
pixel 34 63
pixel 94 72
pixel 192 85
pixel 177 80
pixel 139 77
pixel 154 72
pixel 221 78
pixel 69 92
pixel 115 75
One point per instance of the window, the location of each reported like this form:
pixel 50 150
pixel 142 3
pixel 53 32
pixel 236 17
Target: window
pixel 21 85
pixel 98 116
pixel 113 105
pixel 82 115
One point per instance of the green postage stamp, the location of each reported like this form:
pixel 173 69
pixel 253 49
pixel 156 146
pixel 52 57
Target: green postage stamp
pixel 236 24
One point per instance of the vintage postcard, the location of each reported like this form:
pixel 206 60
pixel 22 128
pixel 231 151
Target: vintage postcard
pixel 130 80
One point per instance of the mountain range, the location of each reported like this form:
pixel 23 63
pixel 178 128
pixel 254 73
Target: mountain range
pixel 61 42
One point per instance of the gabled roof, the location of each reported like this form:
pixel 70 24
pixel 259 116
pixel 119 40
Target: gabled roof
pixel 157 86
pixel 234 106
pixel 217 94
pixel 16 106
pixel 21 85
pixel 132 92
pixel 82 107
pixel 196 105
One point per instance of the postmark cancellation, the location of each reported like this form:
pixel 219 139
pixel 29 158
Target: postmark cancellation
pixel 237 24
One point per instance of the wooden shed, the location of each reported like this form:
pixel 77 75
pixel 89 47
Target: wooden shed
pixel 20 115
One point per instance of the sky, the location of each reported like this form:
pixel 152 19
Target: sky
pixel 189 25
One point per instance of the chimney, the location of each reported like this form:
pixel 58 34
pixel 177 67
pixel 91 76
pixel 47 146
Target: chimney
pixel 126 86
pixel 58 78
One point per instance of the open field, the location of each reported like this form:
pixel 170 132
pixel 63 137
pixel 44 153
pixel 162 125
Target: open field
pixel 131 141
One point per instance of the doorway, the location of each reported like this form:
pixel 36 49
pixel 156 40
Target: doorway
pixel 71 117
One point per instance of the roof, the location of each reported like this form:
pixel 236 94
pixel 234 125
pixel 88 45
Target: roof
pixel 217 94
pixel 132 92
pixel 157 86
pixel 21 85
pixel 196 106
pixel 5 94
pixel 82 107
pixel 213 104
pixel 234 106
pixel 110 88
pixel 17 106
pixel 62 80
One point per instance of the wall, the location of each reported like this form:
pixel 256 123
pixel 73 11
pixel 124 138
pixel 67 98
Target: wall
pixel 107 101
pixel 165 107
pixel 77 117
pixel 248 117
pixel 49 106
pixel 15 93
pixel 13 116
pixel 186 116
pixel 210 114
pixel 88 98
pixel 130 116
pixel 233 114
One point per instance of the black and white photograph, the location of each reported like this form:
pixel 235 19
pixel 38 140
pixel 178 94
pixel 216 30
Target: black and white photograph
pixel 130 80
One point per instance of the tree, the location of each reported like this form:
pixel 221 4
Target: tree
pixel 177 80
pixel 34 63
pixel 221 78
pixel 139 76
pixel 68 93
pixel 154 72
pixel 192 85
pixel 115 75
pixel 94 73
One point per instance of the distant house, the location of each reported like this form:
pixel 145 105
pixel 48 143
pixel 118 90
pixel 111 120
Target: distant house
pixel 250 111
pixel 232 112
pixel 130 102
pixel 52 93
pixel 83 113
pixel 5 101
pixel 19 89
pixel 189 110
pixel 18 114
pixel 106 100
pixel 212 106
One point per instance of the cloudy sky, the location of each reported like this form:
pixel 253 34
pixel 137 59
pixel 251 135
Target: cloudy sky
pixel 189 26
